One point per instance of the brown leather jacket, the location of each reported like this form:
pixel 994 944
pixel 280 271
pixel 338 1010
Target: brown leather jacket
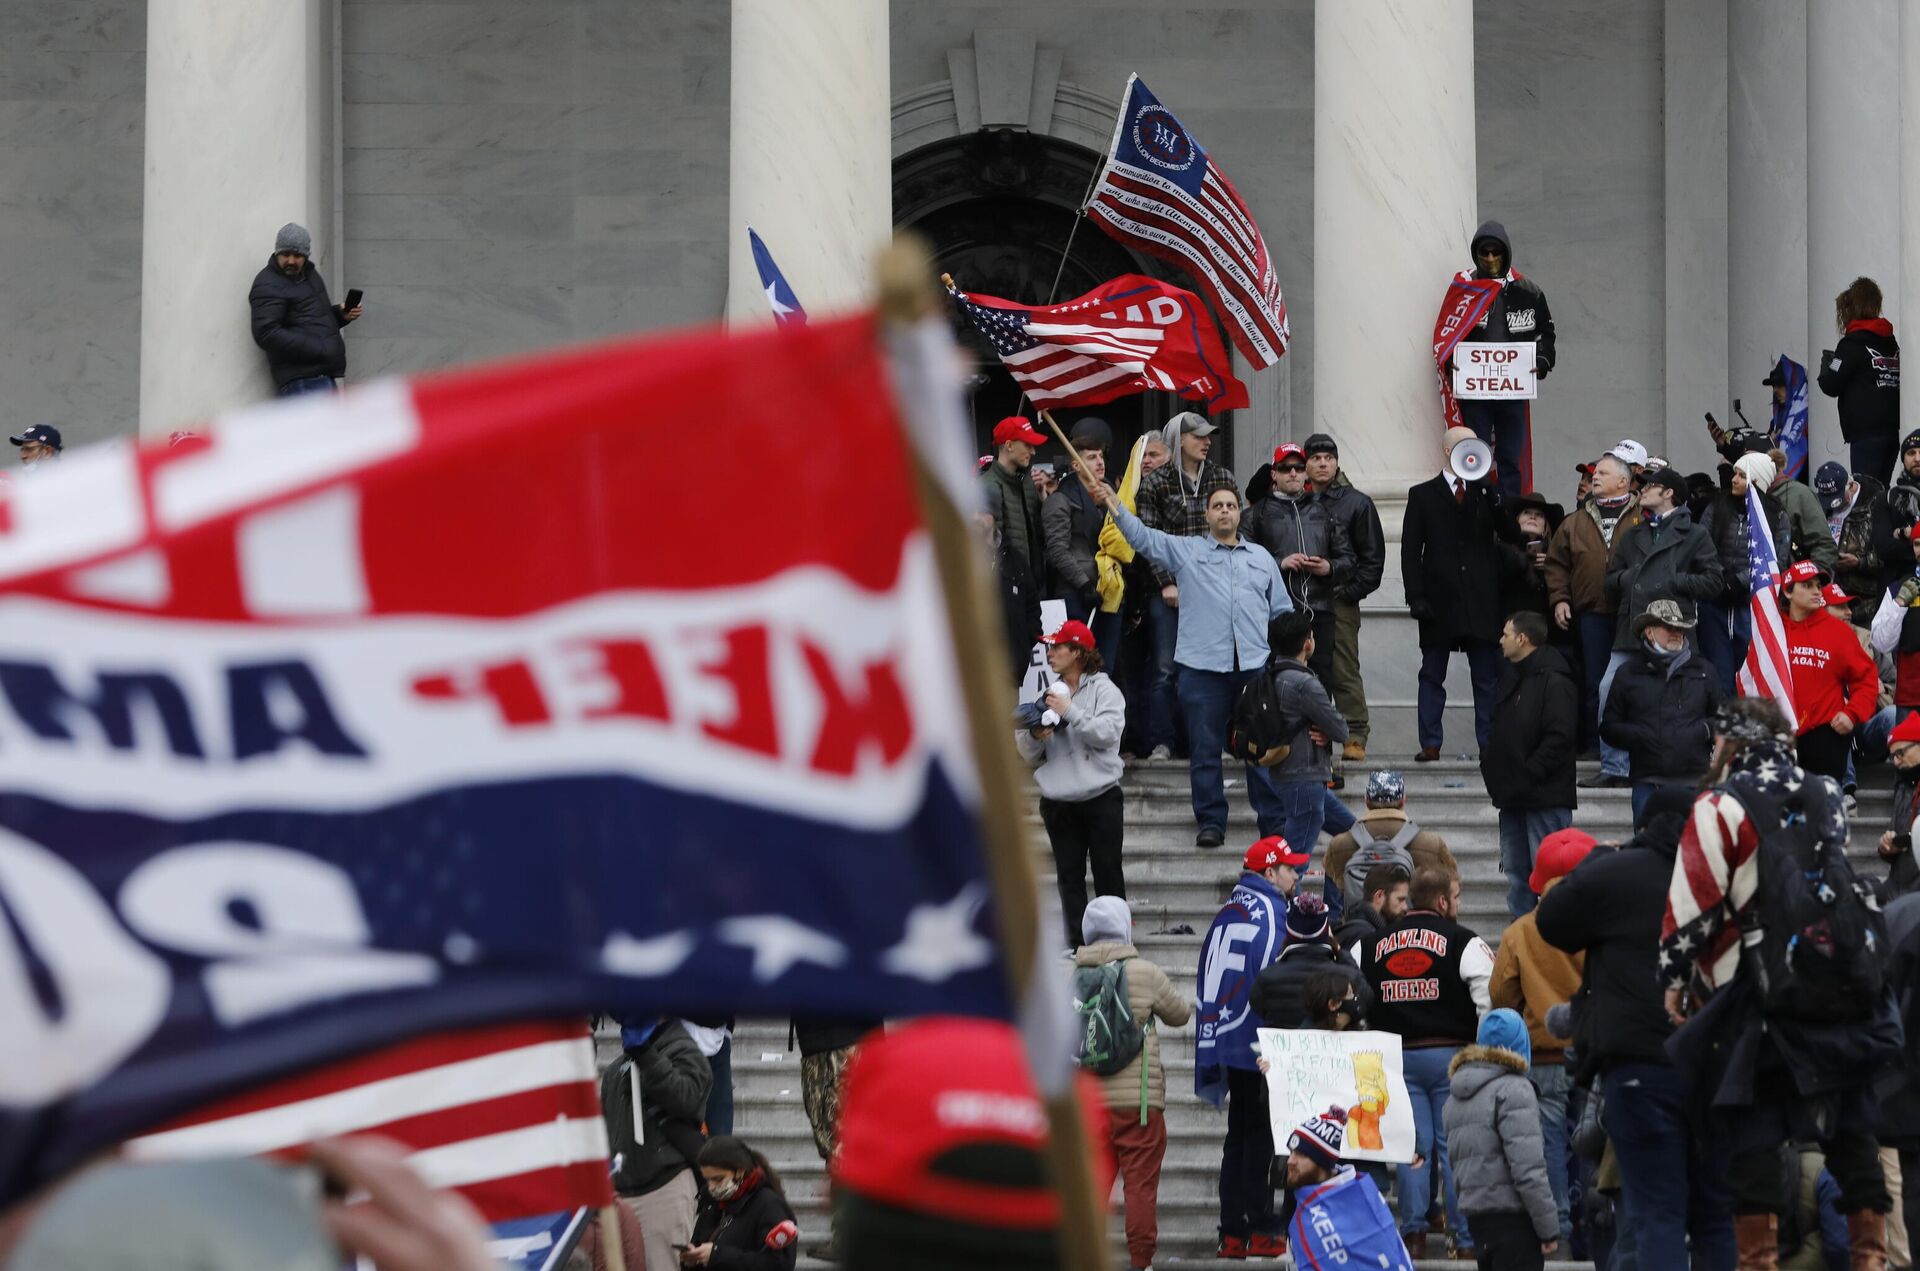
pixel 1578 556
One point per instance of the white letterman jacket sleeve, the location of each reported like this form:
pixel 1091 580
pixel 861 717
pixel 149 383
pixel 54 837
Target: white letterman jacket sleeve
pixel 1887 620
pixel 1476 968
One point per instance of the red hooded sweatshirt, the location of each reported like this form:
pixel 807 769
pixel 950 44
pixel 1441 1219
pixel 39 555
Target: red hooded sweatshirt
pixel 1831 672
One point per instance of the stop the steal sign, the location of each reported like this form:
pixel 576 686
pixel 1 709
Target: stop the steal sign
pixel 1494 371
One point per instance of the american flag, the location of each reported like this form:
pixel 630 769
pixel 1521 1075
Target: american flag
pixel 1128 335
pixel 1766 672
pixel 508 1116
pixel 1161 193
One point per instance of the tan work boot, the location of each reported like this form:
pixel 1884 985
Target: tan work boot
pixel 1867 1241
pixel 1757 1237
pixel 1355 752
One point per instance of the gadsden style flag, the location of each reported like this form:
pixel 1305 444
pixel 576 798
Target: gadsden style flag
pixel 616 680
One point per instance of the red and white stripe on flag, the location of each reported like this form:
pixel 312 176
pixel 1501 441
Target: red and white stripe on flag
pixel 508 1116
pixel 1766 672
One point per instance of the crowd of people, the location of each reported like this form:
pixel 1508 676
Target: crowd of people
pixel 1619 630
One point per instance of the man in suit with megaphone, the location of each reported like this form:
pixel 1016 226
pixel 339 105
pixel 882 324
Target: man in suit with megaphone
pixel 1454 565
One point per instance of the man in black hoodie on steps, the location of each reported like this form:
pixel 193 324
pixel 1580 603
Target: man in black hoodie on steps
pixel 1519 313
pixel 1528 761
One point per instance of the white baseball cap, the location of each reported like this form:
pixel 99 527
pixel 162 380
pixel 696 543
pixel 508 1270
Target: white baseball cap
pixel 1630 452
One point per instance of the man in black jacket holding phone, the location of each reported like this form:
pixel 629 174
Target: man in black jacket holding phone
pixel 295 322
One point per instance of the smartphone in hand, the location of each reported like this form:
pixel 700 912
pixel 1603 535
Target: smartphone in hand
pixel 352 301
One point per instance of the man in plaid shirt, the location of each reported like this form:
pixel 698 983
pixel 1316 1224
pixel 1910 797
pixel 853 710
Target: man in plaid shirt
pixel 1173 500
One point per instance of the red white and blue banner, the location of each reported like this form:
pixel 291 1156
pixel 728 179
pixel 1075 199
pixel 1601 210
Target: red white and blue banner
pixel 615 680
pixel 1131 334
pixel 1789 425
pixel 1767 672
pixel 1161 193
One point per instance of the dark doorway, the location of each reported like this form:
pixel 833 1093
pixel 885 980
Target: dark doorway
pixel 998 209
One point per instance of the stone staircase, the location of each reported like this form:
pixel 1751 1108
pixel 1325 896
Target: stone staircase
pixel 1171 883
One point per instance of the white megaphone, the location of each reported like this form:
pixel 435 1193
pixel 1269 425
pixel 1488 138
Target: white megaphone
pixel 1470 460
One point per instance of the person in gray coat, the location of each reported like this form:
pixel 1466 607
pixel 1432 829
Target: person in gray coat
pixel 1498 1153
pixel 1301 778
pixel 1070 522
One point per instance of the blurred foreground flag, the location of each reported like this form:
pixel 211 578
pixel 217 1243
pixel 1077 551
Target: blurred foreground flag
pixel 476 698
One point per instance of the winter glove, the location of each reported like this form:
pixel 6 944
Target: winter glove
pixel 1908 593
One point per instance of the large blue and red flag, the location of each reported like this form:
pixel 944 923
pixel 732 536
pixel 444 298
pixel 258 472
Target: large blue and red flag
pixel 1767 672
pixel 1128 335
pixel 1160 192
pixel 469 699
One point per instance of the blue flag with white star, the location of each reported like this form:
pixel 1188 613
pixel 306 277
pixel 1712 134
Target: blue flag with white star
pixel 780 298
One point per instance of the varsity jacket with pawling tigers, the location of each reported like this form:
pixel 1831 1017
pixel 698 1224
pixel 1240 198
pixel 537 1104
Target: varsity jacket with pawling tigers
pixel 1430 978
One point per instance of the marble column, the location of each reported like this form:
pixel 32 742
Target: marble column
pixel 1909 36
pixel 240 111
pixel 1695 128
pixel 1853 178
pixel 811 166
pixel 1394 199
pixel 1766 207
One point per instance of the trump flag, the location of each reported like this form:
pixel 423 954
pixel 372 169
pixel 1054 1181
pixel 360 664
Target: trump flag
pixel 486 696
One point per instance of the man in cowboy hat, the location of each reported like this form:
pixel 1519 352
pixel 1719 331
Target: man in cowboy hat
pixel 1661 701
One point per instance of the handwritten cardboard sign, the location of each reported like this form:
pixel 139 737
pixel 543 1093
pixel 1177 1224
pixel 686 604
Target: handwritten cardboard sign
pixel 1360 1072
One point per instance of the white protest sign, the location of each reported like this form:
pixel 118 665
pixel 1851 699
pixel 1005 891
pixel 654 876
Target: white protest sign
pixel 1052 614
pixel 1494 372
pixel 1311 1071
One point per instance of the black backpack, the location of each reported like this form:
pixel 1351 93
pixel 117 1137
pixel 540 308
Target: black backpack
pixel 1259 731
pixel 1821 956
pixel 1110 1037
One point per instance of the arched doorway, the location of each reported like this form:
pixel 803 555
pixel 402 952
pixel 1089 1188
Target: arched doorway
pixel 998 208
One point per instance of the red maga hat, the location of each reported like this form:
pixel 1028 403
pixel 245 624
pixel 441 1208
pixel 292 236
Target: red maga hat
pixel 1805 571
pixel 1017 428
pixel 1074 633
pixel 1273 850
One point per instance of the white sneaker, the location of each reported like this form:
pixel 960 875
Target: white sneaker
pixel 1161 752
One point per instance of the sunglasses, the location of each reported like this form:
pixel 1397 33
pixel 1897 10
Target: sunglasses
pixel 1291 467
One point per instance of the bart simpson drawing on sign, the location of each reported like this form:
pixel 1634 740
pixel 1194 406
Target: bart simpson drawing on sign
pixel 1370 1083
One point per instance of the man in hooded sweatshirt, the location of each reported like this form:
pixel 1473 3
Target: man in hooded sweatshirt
pixel 1493 1134
pixel 1863 371
pixel 1518 313
pixel 1136 1095
pixel 1244 939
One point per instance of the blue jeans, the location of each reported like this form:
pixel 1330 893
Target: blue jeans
pixel 1483 667
pixel 1642 791
pixel 1870 740
pixel 1208 698
pixel 1552 1085
pixel 1613 760
pixel 1520 833
pixel 1724 634
pixel 1163 620
pixel 1303 812
pixel 1427 1088
pixel 1338 820
pixel 1506 426
pixel 719 1116
pixel 1672 1181
pixel 311 384
pixel 1596 647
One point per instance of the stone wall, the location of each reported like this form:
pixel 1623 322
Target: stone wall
pixel 72 95
pixel 521 175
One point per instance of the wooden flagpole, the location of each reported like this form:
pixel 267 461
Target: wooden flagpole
pixel 906 296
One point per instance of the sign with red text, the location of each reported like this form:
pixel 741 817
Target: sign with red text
pixel 1494 372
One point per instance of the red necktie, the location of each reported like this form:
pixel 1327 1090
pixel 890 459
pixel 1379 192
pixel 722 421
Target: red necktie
pixel 1460 494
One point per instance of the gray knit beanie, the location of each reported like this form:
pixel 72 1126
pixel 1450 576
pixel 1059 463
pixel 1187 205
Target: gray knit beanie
pixel 293 238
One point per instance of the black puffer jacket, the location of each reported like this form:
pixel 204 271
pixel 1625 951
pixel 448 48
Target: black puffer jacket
pixel 1863 535
pixel 1674 560
pixel 1658 711
pixel 754 1231
pixel 1279 997
pixel 1610 908
pixel 1305 524
pixel 295 322
pixel 1863 371
pixel 1528 759
pixel 1725 522
pixel 1358 515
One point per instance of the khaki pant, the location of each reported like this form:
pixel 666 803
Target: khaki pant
pixel 1899 1253
pixel 1349 690
pixel 666 1220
